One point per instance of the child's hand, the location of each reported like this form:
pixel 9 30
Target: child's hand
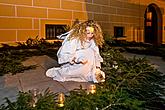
pixel 73 61
pixel 83 61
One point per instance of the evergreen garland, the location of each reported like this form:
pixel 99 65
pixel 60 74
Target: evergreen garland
pixel 131 84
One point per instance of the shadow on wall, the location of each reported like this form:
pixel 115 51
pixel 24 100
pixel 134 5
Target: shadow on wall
pixel 112 13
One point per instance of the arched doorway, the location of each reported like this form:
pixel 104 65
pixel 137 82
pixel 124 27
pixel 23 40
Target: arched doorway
pixel 153 25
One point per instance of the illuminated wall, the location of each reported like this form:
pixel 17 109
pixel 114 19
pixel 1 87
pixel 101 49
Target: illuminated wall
pixel 21 19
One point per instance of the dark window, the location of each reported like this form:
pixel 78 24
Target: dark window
pixel 54 30
pixel 118 31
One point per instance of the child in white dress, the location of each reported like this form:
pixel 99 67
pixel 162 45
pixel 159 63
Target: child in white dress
pixel 79 55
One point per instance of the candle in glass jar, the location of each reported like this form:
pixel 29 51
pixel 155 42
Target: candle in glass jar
pixel 92 88
pixel 61 99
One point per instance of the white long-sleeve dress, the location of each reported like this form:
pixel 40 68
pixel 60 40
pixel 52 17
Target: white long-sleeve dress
pixel 72 49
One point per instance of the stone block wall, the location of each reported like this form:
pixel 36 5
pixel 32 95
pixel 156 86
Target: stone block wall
pixel 21 19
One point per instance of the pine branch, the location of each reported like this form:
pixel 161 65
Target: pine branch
pixel 110 105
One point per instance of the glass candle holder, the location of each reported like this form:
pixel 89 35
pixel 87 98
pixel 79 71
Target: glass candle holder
pixel 34 93
pixel 61 99
pixel 92 89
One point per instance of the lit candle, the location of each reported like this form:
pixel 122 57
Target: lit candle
pixel 92 88
pixel 35 92
pixel 61 99
pixel 34 97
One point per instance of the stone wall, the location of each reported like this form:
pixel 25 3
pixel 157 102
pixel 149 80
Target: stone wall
pixel 21 19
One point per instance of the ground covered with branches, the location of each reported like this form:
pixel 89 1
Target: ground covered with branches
pixel 131 84
pixel 11 57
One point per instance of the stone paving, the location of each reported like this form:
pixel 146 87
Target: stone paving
pixel 36 79
pixel 10 85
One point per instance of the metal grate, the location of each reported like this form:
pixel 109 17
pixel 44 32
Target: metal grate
pixel 118 31
pixel 54 30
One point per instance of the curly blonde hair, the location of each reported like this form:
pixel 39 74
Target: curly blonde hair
pixel 80 32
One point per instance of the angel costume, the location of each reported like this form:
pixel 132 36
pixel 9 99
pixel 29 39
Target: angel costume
pixel 72 49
